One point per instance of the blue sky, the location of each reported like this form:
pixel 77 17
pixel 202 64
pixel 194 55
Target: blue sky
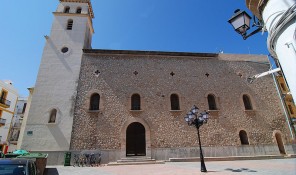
pixel 159 25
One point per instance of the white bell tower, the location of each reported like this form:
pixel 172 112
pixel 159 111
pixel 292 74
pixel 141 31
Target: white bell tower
pixel 50 118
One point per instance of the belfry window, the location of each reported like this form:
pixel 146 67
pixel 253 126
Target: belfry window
pixel 247 102
pixel 67 9
pixel 53 116
pixel 175 105
pixel 78 10
pixel 95 102
pixel 70 24
pixel 212 102
pixel 136 102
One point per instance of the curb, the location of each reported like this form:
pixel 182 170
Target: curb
pixel 197 159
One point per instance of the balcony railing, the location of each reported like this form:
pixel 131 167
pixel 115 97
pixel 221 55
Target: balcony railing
pixel 17 125
pixel 4 102
pixel 19 111
pixel 2 121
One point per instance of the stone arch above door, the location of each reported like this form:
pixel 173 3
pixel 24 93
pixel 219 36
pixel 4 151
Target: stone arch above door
pixel 147 135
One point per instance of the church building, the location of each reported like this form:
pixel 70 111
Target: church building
pixel 130 103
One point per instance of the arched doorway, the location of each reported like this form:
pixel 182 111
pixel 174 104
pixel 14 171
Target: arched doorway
pixel 280 143
pixel 243 137
pixel 135 140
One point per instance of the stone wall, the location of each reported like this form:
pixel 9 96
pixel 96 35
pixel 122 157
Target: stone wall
pixel 117 76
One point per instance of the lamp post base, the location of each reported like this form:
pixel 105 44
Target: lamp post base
pixel 203 167
pixel 203 170
pixel 202 161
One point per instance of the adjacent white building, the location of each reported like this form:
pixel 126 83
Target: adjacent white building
pixel 17 122
pixel 8 99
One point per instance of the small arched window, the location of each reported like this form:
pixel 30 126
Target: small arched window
pixel 70 24
pixel 212 102
pixel 52 116
pixel 247 102
pixel 136 102
pixel 67 9
pixel 94 102
pixel 243 137
pixel 175 105
pixel 78 10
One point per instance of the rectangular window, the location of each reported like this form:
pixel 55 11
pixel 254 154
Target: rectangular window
pixel 3 97
pixel 291 109
pixel 283 87
pixel 3 94
pixel 29 133
pixel 2 121
pixel 24 108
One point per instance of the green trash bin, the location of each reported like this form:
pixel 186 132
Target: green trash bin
pixel 67 159
pixel 40 160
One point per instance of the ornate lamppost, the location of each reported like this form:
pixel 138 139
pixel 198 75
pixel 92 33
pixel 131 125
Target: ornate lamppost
pixel 197 119
pixel 241 23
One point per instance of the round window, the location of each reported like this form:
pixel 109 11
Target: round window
pixel 65 49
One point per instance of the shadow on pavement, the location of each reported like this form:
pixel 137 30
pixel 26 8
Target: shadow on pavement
pixel 240 170
pixel 51 171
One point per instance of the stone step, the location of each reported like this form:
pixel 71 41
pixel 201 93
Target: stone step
pixel 291 156
pixel 135 163
pixel 135 159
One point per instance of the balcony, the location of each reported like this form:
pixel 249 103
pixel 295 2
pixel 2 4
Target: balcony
pixel 19 111
pixel 17 125
pixel 4 103
pixel 2 121
pixel 13 140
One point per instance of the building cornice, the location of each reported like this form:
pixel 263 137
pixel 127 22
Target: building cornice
pixel 83 1
pixel 223 57
pixel 148 53
pixel 257 7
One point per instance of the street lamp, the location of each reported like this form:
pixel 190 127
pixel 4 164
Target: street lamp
pixel 196 118
pixel 241 23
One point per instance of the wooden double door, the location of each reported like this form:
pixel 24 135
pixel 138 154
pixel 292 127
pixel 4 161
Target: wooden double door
pixel 135 140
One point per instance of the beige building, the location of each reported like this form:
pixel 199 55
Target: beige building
pixel 133 103
pixel 8 99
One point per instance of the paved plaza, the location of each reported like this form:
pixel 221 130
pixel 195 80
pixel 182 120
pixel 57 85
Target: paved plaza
pixel 248 167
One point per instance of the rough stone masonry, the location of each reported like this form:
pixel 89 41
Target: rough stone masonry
pixel 117 75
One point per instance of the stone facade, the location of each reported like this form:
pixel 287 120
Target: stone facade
pixel 117 75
